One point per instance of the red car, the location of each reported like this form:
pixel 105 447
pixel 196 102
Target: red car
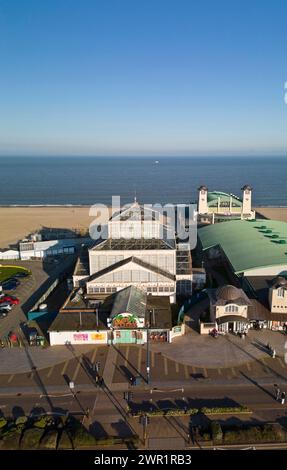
pixel 9 299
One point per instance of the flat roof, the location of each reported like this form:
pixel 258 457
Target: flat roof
pixel 248 244
pixel 79 321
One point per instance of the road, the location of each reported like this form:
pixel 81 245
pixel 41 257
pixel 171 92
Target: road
pixel 103 402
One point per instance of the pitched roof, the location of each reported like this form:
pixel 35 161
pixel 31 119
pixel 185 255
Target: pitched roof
pixel 130 300
pixel 131 259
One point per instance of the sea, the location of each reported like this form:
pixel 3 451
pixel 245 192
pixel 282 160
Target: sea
pixel 33 181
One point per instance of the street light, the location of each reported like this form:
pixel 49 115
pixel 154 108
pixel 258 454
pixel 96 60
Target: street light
pixel 110 323
pixel 147 353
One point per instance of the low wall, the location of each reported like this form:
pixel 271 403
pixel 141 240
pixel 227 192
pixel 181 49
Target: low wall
pixel 58 338
pixel 206 328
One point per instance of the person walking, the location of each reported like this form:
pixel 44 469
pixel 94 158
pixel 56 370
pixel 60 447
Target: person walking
pixel 283 395
pixel 277 392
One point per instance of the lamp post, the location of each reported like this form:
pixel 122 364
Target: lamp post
pixel 110 323
pixel 147 354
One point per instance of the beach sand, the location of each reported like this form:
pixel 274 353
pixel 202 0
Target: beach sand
pixel 18 222
pixel 275 213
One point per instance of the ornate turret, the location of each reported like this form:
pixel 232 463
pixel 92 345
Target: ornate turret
pixel 202 200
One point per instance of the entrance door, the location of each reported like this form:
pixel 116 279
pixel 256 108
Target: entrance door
pixel 230 327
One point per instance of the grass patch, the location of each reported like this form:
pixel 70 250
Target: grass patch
pixel 9 271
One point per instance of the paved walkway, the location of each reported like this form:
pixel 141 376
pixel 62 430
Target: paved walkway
pixel 110 366
pixel 225 351
pixel 17 361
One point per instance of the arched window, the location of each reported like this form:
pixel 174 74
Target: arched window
pixel 231 309
pixel 280 292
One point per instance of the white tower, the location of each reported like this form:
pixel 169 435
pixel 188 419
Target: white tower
pixel 202 200
pixel 246 200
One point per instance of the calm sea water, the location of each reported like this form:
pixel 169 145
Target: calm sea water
pixel 87 180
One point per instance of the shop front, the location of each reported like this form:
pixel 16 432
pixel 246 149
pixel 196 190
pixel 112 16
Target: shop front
pixel 125 337
pixel 232 324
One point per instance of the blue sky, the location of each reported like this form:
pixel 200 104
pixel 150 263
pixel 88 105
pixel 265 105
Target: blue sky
pixel 152 77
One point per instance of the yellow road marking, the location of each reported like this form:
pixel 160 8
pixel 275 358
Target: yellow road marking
pixel 281 363
pixel 94 355
pixel 50 371
pixel 65 367
pixel 127 355
pixel 139 358
pixel 76 371
pixel 165 365
pixel 152 358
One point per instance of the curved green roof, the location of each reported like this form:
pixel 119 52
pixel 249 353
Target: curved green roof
pixel 224 197
pixel 248 244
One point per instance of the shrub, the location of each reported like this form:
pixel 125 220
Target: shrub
pixel 21 420
pixel 266 433
pixel 3 423
pixel 43 422
pixel 216 431
pixel 31 438
pixel 49 440
pixel 225 409
pixel 80 436
pixel 65 441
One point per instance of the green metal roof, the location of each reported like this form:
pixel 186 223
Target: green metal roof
pixel 248 244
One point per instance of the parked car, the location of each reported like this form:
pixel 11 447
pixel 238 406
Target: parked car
pixel 10 299
pixel 14 280
pixel 5 307
pixel 11 284
pixel 21 274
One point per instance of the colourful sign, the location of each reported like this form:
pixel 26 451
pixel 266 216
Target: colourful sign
pixel 125 320
pixel 98 336
pixel 81 337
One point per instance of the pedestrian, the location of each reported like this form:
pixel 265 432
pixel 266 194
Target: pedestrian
pixel 277 392
pixel 283 395
pixel 273 353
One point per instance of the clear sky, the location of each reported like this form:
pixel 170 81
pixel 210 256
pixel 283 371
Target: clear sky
pixel 143 77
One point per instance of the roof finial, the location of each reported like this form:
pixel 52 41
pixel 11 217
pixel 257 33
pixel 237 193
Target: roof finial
pixel 135 198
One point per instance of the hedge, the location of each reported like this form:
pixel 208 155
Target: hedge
pixel 191 411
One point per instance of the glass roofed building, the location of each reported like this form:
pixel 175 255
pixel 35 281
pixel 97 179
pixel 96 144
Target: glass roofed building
pixel 216 206
pixel 140 250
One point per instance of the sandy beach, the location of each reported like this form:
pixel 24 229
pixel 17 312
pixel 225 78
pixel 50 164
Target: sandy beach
pixel 275 213
pixel 18 222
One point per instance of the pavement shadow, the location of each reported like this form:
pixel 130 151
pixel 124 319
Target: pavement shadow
pixel 132 367
pixel 17 411
pixel 122 429
pixel 97 430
